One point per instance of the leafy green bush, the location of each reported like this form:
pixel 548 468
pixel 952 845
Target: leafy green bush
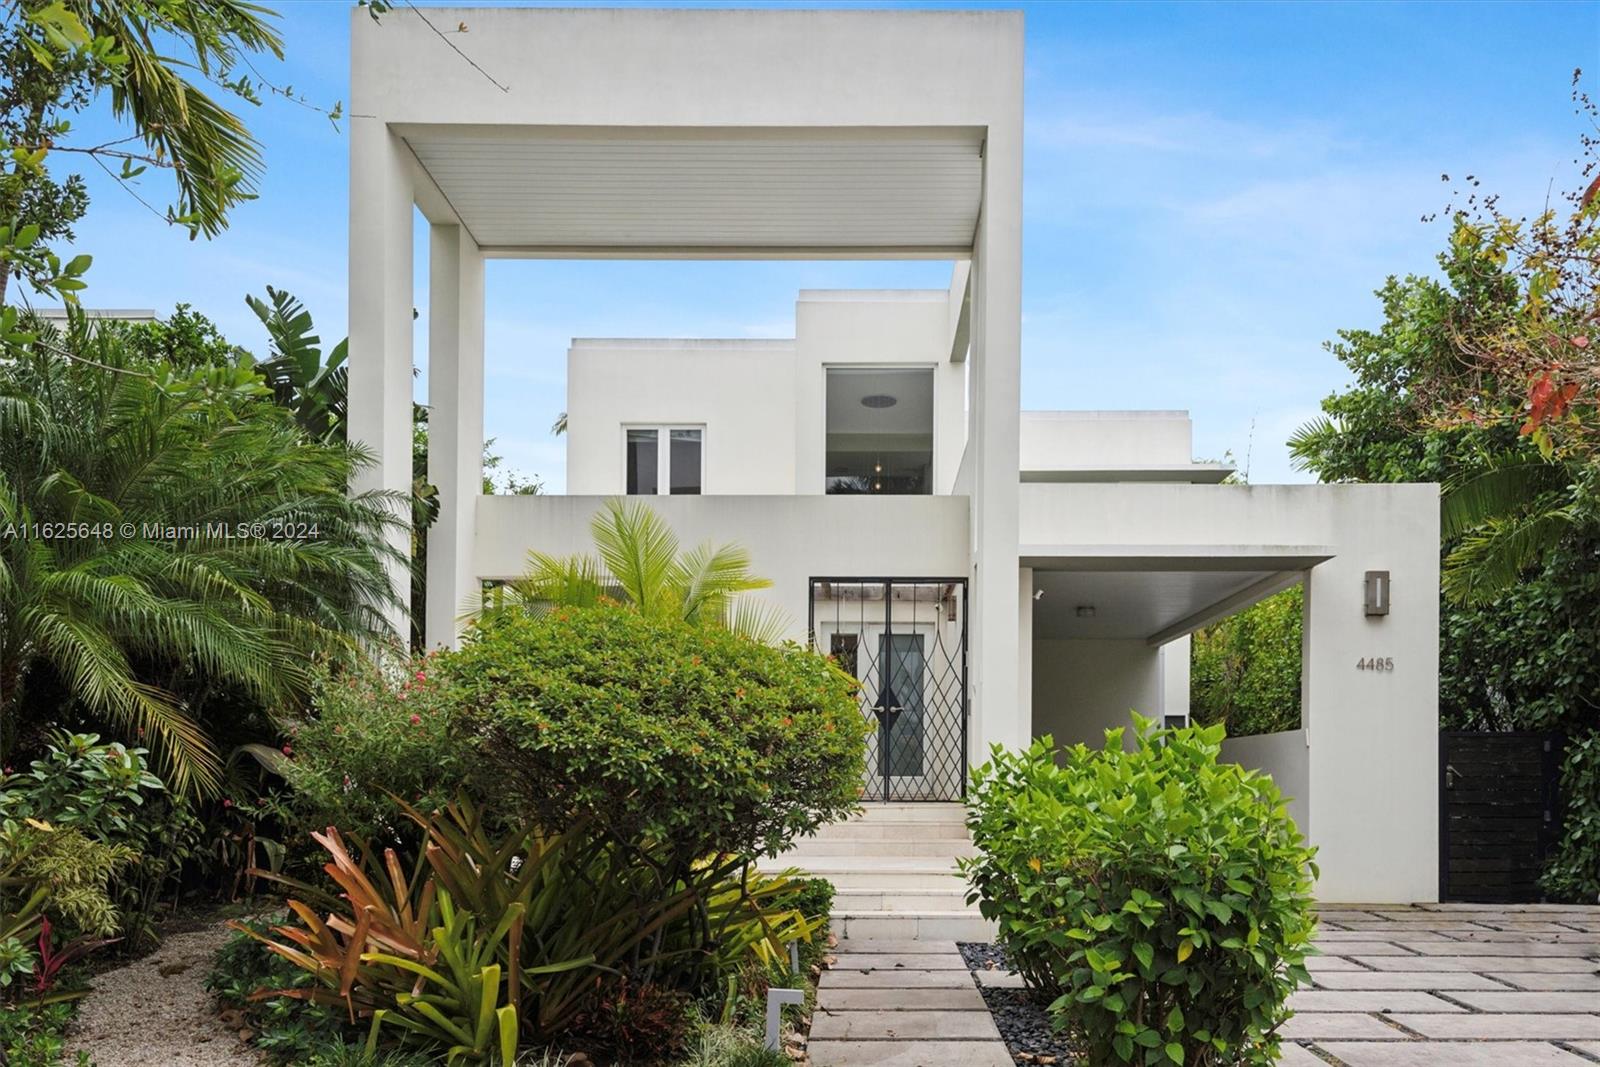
pixel 36 1037
pixel 1573 873
pixel 1245 669
pixel 102 794
pixel 1163 900
pixel 659 730
pixel 381 730
pixel 289 1029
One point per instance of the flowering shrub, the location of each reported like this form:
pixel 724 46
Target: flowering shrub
pixel 659 730
pixel 1162 899
pixel 379 729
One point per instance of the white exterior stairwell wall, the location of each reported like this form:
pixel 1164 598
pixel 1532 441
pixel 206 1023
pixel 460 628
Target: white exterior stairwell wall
pixel 875 328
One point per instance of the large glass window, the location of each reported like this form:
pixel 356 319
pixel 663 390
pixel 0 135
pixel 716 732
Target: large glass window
pixel 664 459
pixel 879 430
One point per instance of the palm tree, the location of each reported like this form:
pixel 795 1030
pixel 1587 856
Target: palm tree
pixel 1507 517
pixel 639 563
pixel 164 534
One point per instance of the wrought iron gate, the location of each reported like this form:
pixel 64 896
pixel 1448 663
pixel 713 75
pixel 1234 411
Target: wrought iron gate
pixel 905 640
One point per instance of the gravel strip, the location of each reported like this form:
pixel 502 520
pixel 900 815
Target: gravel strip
pixel 156 1013
pixel 1018 1013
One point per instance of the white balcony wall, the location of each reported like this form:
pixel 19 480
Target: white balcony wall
pixel 1110 439
pixel 790 539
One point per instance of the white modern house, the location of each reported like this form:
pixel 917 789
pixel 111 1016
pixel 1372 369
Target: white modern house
pixel 989 574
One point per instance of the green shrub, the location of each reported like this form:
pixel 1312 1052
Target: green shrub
pixel 36 1037
pixel 104 795
pixel 1573 873
pixel 1161 899
pixel 380 730
pixel 1245 669
pixel 289 1029
pixel 659 730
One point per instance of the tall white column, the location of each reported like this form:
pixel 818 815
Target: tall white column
pixel 1003 714
pixel 455 425
pixel 380 330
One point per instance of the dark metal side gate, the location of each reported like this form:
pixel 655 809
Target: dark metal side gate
pixel 905 640
pixel 1499 814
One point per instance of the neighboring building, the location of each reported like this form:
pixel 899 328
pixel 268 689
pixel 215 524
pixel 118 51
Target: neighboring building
pixel 989 574
pixel 58 316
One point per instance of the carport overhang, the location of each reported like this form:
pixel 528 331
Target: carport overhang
pixel 1155 593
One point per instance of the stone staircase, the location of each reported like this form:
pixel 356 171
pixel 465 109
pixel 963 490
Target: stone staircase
pixel 894 874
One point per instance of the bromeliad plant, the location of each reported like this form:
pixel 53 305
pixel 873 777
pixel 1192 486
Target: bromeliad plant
pixel 1163 900
pixel 490 938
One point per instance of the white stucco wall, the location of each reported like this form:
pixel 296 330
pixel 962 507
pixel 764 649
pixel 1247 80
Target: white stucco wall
pixel 1111 439
pixel 791 539
pixel 762 402
pixel 1083 688
pixel 1373 735
pixel 739 391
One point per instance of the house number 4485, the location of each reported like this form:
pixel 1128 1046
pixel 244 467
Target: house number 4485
pixel 1375 663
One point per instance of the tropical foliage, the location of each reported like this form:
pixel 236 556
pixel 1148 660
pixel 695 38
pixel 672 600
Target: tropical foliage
pixel 490 939
pixel 171 538
pixel 1481 379
pixel 1161 900
pixel 638 560
pixel 1245 670
pixel 154 68
pixel 383 728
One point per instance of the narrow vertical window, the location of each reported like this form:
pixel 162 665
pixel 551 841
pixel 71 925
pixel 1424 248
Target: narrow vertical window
pixel 684 475
pixel 643 462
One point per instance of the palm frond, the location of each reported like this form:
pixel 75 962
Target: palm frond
pixel 216 160
pixel 1309 442
pixel 706 576
pixel 639 551
pixel 557 581
pixel 757 620
pixel 1494 558
pixel 1510 486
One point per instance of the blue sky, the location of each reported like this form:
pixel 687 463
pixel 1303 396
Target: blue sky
pixel 1211 192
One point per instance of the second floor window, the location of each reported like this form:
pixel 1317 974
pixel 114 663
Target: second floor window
pixel 664 459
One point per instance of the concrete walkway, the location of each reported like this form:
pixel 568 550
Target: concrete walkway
pixel 1451 984
pixel 902 1004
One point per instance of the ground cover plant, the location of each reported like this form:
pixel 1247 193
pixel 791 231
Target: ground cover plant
pixel 1159 900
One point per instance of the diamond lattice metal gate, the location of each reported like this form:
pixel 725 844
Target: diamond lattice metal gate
pixel 905 640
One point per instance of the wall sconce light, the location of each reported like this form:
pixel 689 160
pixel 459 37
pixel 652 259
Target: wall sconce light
pixel 1377 593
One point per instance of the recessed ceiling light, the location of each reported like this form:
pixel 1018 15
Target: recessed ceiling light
pixel 1085 611
pixel 878 400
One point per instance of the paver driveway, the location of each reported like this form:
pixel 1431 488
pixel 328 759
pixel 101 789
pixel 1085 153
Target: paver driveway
pixel 1432 985
pixel 1455 985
